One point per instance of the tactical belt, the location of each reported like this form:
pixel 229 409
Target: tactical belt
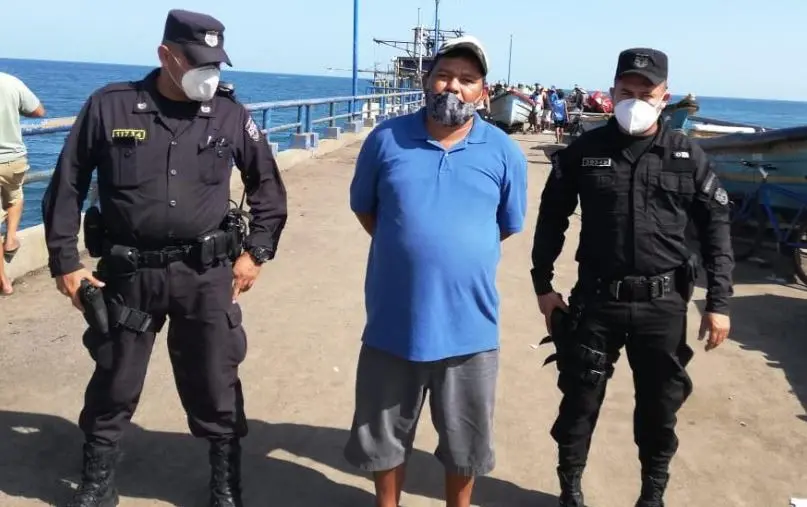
pixel 638 289
pixel 164 257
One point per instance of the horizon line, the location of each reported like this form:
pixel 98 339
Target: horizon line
pixel 248 71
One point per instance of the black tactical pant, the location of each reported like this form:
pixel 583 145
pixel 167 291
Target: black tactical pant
pixel 206 344
pixel 654 336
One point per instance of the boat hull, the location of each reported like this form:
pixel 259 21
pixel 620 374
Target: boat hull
pixel 784 149
pixel 510 110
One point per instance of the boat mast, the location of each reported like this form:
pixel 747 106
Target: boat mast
pixel 510 61
pixel 418 45
pixel 436 26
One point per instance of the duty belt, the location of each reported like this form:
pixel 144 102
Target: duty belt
pixel 164 257
pixel 638 289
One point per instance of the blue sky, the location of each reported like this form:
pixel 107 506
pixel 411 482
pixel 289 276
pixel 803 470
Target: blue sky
pixel 728 48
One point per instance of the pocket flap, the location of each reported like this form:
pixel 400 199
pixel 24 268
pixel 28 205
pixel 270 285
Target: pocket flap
pixel 234 316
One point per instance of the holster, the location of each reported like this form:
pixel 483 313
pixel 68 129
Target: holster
pixel 94 234
pixel 686 277
pixel 576 361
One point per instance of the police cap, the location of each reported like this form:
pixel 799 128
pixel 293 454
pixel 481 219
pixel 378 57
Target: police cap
pixel 200 36
pixel 648 63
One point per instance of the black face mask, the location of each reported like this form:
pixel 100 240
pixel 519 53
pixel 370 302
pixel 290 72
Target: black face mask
pixel 447 109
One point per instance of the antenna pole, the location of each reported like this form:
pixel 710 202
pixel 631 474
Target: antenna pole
pixel 510 61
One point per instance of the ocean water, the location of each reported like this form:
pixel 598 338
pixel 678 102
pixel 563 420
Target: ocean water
pixel 64 86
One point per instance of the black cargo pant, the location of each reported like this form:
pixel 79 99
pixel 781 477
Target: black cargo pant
pixel 654 336
pixel 206 344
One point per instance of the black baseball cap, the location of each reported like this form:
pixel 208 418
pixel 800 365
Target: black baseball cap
pixel 200 36
pixel 646 62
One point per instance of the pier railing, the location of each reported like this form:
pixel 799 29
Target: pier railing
pixel 379 101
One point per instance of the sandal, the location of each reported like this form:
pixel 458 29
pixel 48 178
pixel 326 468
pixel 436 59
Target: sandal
pixel 8 255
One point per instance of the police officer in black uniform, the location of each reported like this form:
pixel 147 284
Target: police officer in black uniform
pixel 639 184
pixel 169 246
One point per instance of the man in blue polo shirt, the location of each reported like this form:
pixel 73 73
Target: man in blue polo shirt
pixel 437 190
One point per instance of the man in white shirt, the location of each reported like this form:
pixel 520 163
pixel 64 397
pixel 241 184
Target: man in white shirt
pixel 15 100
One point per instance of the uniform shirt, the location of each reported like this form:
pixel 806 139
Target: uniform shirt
pixel 430 288
pixel 163 172
pixel 634 213
pixel 15 98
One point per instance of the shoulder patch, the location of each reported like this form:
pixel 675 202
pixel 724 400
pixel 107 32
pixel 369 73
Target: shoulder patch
pixel 596 162
pixel 252 130
pixel 721 196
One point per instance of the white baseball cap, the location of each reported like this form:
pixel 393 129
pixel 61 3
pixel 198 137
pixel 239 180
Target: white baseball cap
pixel 466 42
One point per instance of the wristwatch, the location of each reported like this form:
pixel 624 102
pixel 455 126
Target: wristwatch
pixel 259 254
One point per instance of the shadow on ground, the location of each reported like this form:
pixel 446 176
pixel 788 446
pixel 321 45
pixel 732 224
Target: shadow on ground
pixel 774 325
pixel 40 458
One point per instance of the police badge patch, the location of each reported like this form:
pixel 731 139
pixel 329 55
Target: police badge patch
pixel 252 129
pixel 721 196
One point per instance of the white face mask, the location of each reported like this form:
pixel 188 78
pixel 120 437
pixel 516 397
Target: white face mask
pixel 199 84
pixel 637 116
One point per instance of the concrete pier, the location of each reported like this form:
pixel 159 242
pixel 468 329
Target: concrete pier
pixel 743 432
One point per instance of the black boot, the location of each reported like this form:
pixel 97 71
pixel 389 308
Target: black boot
pixel 225 473
pixel 97 488
pixel 571 492
pixel 653 487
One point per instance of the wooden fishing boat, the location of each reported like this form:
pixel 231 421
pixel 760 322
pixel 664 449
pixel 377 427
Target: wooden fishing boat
pixel 785 149
pixel 510 110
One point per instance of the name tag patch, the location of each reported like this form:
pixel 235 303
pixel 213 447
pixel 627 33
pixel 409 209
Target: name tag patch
pixel 597 162
pixel 680 154
pixel 138 134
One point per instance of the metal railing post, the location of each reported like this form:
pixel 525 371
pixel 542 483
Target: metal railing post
pixel 331 114
pixel 300 119
pixel 267 122
pixel 308 119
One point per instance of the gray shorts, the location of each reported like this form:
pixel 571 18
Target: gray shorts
pixel 390 393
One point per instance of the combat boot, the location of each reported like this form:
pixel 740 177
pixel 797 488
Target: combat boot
pixel 653 487
pixel 225 473
pixel 571 488
pixel 97 488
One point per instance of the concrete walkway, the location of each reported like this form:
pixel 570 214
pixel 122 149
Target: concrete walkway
pixel 743 432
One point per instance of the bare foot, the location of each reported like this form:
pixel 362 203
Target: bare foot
pixel 6 288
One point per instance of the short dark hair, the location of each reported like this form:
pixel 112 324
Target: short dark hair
pixel 461 53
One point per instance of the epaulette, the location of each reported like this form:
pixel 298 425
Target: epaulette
pixel 125 86
pixel 226 90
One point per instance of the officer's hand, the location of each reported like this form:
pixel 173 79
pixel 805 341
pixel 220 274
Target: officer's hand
pixel 717 326
pixel 69 284
pixel 245 272
pixel 547 303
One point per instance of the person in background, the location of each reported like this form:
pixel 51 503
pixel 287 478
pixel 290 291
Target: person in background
pixel 437 191
pixel 15 99
pixel 546 119
pixel 537 111
pixel 560 115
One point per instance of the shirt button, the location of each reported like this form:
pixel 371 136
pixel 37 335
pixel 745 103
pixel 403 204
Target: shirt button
pixel 172 203
pixel 173 172
pixel 173 143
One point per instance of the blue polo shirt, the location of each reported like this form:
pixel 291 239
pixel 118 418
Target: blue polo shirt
pixel 430 288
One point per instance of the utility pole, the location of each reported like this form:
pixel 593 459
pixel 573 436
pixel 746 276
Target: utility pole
pixel 436 26
pixel 355 57
pixel 510 61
